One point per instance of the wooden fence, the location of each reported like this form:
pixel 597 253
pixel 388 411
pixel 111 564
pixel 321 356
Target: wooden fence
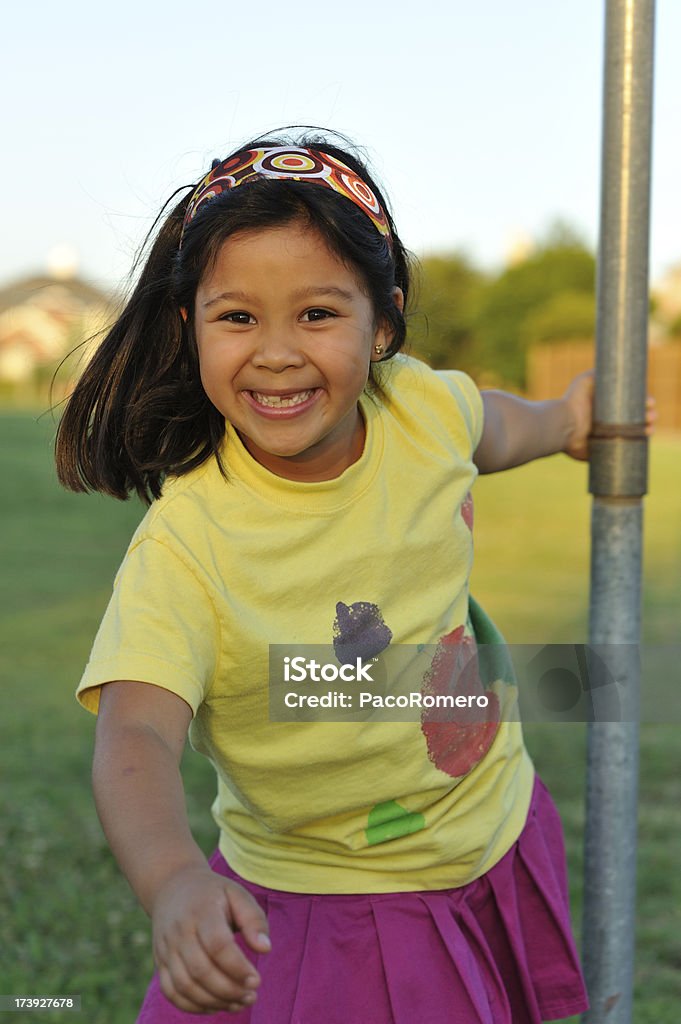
pixel 550 368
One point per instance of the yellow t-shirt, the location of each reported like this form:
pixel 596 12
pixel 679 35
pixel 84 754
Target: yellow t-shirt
pixel 217 571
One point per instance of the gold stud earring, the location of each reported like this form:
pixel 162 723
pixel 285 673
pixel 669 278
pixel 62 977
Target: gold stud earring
pixel 378 349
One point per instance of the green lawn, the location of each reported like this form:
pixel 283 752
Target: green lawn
pixel 68 922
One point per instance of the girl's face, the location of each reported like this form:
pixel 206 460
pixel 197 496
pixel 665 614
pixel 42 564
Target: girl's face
pixel 285 335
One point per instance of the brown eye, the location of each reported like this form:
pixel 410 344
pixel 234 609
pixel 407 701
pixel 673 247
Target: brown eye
pixel 237 317
pixel 314 315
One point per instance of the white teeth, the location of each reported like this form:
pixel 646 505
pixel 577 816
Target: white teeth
pixel 277 401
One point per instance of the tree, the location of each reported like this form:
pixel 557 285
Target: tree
pixel 449 291
pixel 528 299
pixel 675 329
pixel 566 315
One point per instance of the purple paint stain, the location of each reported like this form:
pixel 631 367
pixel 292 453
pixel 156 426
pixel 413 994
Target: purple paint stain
pixel 359 632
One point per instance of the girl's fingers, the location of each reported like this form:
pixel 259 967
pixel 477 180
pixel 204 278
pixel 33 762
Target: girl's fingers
pixel 249 918
pixel 201 980
pixel 218 944
pixel 184 992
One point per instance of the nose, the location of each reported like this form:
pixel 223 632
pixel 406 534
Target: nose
pixel 277 349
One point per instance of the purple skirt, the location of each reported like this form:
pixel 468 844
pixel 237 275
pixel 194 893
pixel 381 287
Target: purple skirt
pixel 497 951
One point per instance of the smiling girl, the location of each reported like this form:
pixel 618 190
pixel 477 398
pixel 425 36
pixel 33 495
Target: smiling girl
pixel 287 376
pixel 309 483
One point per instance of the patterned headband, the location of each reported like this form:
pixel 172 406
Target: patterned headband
pixel 309 165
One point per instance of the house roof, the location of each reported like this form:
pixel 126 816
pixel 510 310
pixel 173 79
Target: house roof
pixel 25 289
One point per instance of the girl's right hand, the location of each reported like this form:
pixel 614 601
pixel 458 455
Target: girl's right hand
pixel 194 917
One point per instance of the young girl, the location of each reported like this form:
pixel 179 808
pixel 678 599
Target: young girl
pixel 309 484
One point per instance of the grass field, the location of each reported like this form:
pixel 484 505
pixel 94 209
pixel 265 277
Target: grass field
pixel 69 923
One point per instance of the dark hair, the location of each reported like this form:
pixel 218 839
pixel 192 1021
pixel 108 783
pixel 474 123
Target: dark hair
pixel 139 412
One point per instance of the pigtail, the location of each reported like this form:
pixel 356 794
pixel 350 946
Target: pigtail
pixel 139 412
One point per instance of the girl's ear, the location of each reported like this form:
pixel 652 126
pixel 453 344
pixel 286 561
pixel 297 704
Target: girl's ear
pixel 383 336
pixel 183 313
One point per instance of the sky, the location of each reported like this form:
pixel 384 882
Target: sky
pixel 481 119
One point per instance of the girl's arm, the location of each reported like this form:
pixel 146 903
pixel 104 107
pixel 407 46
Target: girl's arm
pixel 516 430
pixel 140 736
pixel 141 732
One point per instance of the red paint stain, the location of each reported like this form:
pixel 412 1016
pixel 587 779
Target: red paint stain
pixel 456 746
pixel 467 511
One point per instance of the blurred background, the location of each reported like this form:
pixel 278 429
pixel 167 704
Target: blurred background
pixel 482 122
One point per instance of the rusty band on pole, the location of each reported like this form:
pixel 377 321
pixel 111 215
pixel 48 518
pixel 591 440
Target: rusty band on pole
pixel 618 466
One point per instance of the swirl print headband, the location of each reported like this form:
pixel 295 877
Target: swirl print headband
pixel 310 165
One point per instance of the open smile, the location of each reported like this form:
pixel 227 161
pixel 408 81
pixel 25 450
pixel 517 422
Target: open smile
pixel 282 404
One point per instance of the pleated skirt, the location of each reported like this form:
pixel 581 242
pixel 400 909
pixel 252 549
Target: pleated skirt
pixel 497 951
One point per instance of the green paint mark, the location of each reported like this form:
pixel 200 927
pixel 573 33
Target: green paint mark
pixel 420 648
pixel 496 662
pixel 390 821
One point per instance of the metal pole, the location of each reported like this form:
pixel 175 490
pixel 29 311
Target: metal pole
pixel 618 478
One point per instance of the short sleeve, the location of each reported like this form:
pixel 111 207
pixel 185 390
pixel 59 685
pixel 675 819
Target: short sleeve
pixel 160 627
pixel 467 395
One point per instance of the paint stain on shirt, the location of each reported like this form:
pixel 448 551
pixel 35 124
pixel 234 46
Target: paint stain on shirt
pixel 457 739
pixel 359 632
pixel 390 820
